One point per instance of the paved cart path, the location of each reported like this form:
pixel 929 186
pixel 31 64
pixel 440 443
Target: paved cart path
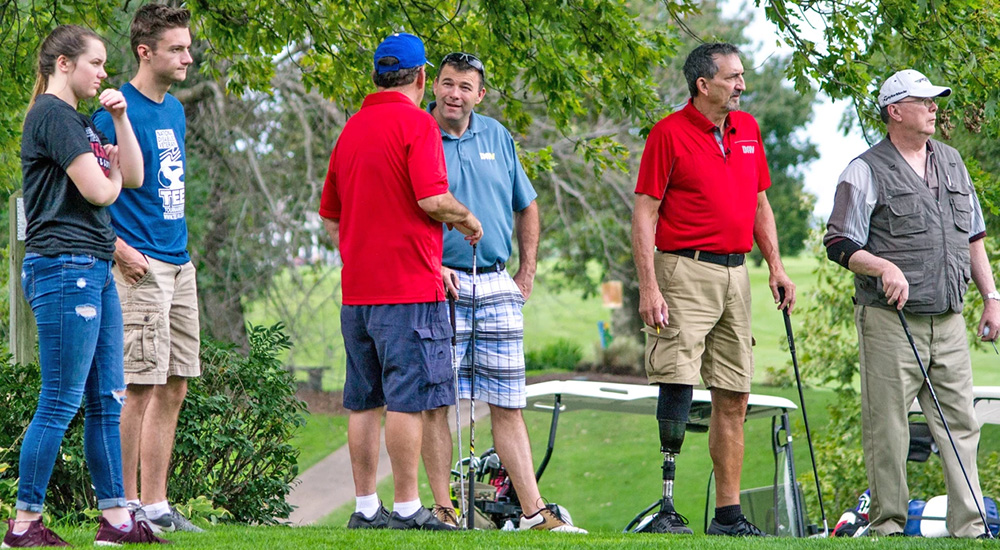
pixel 328 485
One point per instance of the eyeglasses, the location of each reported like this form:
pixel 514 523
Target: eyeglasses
pixel 467 58
pixel 926 101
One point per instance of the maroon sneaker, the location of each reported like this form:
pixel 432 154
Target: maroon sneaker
pixel 108 535
pixel 36 535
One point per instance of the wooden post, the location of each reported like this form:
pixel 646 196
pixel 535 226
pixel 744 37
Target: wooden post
pixel 23 333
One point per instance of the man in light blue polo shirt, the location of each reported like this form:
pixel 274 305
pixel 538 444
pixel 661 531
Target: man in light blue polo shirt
pixel 485 174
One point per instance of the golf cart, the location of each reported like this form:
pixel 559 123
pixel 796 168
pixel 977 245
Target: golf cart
pixel 777 509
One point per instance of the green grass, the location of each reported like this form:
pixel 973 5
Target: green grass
pixel 322 435
pixel 253 538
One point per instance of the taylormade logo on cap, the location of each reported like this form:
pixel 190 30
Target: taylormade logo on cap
pixel 908 83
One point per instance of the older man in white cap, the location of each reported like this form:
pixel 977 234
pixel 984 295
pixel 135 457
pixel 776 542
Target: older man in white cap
pixel 907 222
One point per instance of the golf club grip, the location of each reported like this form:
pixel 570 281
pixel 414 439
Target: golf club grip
pixel 451 311
pixel 788 320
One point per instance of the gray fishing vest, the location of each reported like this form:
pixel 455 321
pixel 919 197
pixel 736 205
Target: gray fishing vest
pixel 926 237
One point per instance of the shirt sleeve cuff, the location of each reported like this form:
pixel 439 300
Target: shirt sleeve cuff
pixel 840 250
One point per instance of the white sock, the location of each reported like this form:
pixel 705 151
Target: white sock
pixel 157 509
pixel 133 503
pixel 125 527
pixel 406 509
pixel 18 532
pixel 368 505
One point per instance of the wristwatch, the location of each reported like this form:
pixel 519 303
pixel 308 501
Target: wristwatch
pixel 993 296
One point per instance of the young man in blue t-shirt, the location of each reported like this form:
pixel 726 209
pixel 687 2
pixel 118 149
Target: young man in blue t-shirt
pixel 153 271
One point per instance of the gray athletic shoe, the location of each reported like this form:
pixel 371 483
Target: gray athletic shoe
pixel 174 521
pixel 140 517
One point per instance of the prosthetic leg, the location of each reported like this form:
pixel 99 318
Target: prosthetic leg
pixel 671 439
pixel 672 411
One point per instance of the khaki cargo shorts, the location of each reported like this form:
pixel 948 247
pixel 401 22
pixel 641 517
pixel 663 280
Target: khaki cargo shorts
pixel 160 313
pixel 709 331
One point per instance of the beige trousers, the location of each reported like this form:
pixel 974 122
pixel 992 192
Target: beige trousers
pixel 890 379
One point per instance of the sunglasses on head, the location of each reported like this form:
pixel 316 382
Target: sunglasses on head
pixel 461 57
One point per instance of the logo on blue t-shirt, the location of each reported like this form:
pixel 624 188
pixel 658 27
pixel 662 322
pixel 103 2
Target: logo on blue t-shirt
pixel 171 175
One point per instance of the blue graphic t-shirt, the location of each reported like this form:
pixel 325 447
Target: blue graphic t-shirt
pixel 151 218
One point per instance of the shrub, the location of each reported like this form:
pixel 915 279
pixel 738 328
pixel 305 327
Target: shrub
pixel 69 487
pixel 233 437
pixel 560 355
pixel 231 443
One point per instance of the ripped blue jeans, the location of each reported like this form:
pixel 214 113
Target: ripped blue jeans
pixel 80 339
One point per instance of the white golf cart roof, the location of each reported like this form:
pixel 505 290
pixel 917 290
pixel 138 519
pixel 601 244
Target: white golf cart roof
pixel 641 399
pixel 986 401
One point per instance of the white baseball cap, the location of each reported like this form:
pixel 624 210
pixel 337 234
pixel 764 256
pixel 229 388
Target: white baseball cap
pixel 908 83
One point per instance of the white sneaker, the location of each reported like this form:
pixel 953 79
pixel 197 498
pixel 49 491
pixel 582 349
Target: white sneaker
pixel 545 520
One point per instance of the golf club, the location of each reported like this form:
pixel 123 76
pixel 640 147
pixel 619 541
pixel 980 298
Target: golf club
pixel 802 403
pixel 471 508
pixel 944 422
pixel 458 414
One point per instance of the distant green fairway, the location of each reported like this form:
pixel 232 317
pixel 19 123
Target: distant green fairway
pixel 548 317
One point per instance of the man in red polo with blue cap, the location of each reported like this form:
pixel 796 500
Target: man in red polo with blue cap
pixel 385 197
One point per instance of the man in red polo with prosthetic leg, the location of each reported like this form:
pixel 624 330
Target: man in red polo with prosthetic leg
pixel 700 204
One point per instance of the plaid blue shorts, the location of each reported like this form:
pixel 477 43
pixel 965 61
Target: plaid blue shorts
pixel 499 339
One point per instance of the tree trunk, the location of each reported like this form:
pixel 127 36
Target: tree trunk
pixel 221 310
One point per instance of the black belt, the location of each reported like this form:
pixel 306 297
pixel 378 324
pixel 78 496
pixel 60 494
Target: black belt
pixel 499 266
pixel 728 260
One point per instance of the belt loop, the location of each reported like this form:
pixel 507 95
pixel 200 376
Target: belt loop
pixel 697 254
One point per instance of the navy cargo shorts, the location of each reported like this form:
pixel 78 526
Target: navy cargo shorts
pixel 398 355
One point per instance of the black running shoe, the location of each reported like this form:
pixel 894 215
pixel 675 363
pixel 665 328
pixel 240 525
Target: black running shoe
pixel 742 528
pixel 668 522
pixel 423 519
pixel 359 521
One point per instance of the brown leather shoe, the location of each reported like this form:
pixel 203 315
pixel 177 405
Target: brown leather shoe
pixel 445 514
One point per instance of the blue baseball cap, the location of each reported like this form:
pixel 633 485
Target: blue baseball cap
pixel 405 47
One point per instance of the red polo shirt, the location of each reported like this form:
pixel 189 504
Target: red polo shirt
pixel 709 197
pixel 388 157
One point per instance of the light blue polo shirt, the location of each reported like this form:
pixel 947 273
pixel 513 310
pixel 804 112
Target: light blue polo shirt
pixel 485 175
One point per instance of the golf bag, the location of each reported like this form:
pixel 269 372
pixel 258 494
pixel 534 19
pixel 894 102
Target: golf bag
pixel 497 505
pixel 854 522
